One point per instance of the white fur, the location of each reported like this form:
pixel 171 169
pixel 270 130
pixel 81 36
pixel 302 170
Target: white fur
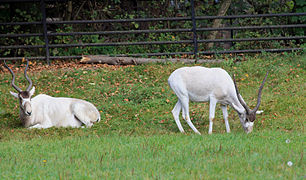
pixel 14 94
pixel 200 84
pixel 249 124
pixel 50 111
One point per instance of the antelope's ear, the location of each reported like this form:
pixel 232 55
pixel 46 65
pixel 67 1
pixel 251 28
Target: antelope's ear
pixel 32 91
pixel 259 112
pixel 14 94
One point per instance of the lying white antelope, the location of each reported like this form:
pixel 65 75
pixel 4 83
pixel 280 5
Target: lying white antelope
pixel 44 111
pixel 200 84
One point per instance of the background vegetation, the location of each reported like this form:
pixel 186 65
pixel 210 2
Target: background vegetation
pixel 138 138
pixel 125 9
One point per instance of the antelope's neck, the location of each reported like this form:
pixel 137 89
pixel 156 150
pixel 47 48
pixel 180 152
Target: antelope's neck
pixel 25 120
pixel 238 107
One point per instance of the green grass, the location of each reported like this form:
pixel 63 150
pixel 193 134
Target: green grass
pixel 235 156
pixel 138 138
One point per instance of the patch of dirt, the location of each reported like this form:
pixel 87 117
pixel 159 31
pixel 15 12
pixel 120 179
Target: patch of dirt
pixel 38 66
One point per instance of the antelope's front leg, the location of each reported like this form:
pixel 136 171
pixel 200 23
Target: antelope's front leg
pixel 39 126
pixel 225 117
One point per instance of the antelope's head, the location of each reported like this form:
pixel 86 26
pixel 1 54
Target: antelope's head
pixel 23 96
pixel 247 119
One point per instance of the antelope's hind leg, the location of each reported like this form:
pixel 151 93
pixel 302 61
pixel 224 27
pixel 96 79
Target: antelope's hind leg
pixel 212 108
pixel 185 106
pixel 84 113
pixel 176 114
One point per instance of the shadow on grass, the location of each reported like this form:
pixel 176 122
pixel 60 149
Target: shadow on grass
pixel 9 120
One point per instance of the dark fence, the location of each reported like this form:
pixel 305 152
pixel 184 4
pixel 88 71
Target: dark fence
pixel 193 40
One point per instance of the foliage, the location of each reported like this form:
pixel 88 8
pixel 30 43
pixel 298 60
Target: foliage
pixel 123 9
pixel 17 12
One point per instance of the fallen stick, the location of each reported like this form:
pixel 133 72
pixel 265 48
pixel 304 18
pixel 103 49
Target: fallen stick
pixel 134 61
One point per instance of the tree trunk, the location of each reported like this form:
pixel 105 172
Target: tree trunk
pixel 134 61
pixel 217 22
pixel 69 11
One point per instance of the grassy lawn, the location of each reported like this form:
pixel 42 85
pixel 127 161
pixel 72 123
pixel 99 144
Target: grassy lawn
pixel 137 137
pixel 258 156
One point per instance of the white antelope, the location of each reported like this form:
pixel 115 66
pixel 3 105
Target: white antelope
pixel 43 111
pixel 200 84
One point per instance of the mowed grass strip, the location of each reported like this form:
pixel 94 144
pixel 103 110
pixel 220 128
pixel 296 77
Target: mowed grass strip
pixel 263 155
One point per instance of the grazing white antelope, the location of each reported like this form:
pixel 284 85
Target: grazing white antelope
pixel 43 111
pixel 200 84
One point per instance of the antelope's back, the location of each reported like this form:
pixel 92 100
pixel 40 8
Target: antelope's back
pixel 202 82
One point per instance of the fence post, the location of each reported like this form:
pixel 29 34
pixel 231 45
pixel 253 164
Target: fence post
pixel 44 23
pixel 232 33
pixel 194 30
